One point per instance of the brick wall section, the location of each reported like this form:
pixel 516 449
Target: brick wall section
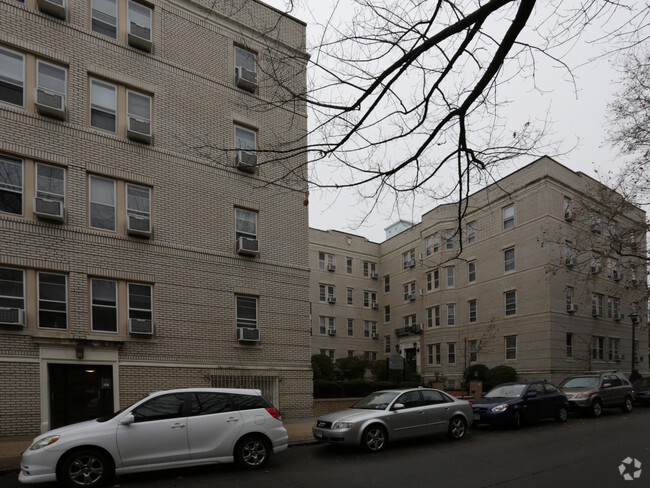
pixel 20 404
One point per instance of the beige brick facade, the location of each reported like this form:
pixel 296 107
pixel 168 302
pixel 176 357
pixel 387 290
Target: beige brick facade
pixel 532 288
pixel 189 262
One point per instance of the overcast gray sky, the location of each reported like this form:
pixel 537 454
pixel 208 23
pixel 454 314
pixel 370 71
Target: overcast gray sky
pixel 578 113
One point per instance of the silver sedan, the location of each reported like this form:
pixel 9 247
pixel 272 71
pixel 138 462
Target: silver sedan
pixel 391 415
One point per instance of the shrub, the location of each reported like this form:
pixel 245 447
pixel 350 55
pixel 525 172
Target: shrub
pixel 498 375
pixel 323 367
pixel 481 369
pixel 327 389
pixel 351 368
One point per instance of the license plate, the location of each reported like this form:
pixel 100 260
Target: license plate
pixel 477 416
pixel 318 433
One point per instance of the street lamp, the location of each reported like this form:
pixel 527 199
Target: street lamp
pixel 634 317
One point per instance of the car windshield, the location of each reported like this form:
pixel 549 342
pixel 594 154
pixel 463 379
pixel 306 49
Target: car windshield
pixel 506 391
pixel 581 382
pixel 377 401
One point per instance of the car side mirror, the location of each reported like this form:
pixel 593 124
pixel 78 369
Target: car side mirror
pixel 399 406
pixel 607 385
pixel 532 394
pixel 128 419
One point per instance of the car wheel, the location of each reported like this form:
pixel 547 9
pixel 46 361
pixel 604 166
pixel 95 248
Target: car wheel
pixel 627 405
pixel 252 452
pixel 562 414
pixel 374 438
pixel 596 408
pixel 457 428
pixel 516 420
pixel 88 467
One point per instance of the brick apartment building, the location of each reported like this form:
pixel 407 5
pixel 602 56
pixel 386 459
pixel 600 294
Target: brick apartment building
pixel 541 283
pixel 139 246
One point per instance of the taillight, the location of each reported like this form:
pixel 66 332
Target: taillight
pixel 275 413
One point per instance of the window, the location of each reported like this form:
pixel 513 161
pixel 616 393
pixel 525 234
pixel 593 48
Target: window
pixel 245 59
pixel 102 203
pixel 471 271
pixel 369 298
pixel 52 301
pixel 598 347
pixel 387 344
pixel 245 139
pixel 211 403
pixel 451 353
pixel 450 276
pixel 569 345
pixel 11 185
pixel 138 112
pixel 471 232
pixel 348 265
pixel 409 320
pixel 139 21
pixel 331 329
pixel 386 283
pixel 472 310
pixel 322 322
pixel 366 269
pixel 366 328
pixel 138 206
pixel 387 313
pixel 429 281
pixel 508 216
pixel 350 294
pixel 12 288
pixel 429 245
pixel 613 350
pixel 12 77
pixel 451 314
pixel 409 291
pixel 321 260
pixel 436 242
pixel 511 347
pixel 568 208
pixel 596 222
pixel 104 17
pixel 597 305
pixel 408 259
pixel 509 259
pixel 511 302
pixel 140 304
pixel 246 311
pixel 473 351
pixel 436 315
pixel 51 80
pixel 245 223
pixel 437 354
pixel 350 327
pixel 103 298
pixel 50 183
pixel 449 239
pixel 568 295
pixel 436 279
pixel 103 105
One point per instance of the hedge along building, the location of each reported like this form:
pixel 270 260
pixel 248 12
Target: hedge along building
pixel 130 260
pixel 551 268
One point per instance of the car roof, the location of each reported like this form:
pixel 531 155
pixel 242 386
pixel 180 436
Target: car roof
pixel 240 391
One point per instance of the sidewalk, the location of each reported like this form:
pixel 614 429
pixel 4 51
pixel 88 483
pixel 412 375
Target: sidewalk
pixel 299 431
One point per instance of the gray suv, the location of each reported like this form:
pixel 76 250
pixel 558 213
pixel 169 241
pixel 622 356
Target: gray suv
pixel 595 391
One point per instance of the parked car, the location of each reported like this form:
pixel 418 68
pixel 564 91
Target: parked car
pixel 594 391
pixel 512 403
pixel 642 391
pixel 391 415
pixel 167 429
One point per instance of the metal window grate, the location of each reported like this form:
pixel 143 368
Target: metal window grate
pixel 268 385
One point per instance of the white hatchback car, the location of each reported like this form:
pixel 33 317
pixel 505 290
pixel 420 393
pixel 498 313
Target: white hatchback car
pixel 167 429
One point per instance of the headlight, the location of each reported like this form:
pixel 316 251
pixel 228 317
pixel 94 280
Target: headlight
pixel 582 396
pixel 500 408
pixel 342 425
pixel 46 441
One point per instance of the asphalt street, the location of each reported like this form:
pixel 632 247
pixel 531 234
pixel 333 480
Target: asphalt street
pixel 583 452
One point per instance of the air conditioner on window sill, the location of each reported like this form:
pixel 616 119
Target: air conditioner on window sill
pixel 331 332
pixel 138 225
pixel 571 262
pixel 374 305
pixel 619 316
pixel 49 103
pixel 411 297
pixel 572 308
pixel 55 8
pixel 45 208
pixel 139 37
pixel 375 335
pixel 374 275
pixel 248 247
pixel 569 215
pixel 141 326
pixel 246 79
pixel 331 299
pixel 138 129
pixel 248 334
pixel 12 316
pixel 246 161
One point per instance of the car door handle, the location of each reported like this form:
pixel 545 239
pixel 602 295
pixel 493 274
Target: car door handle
pixel 178 426
pixel 232 419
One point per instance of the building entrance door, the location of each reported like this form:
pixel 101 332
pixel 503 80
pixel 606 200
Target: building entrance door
pixel 79 392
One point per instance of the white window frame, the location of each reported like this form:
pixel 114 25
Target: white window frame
pixel 130 112
pixel 11 80
pixel 509 263
pixel 241 143
pixel 50 193
pixel 246 53
pixel 471 271
pixel 132 11
pixel 108 109
pixel 138 211
pixel 510 348
pixel 509 216
pixel 471 232
pixel 60 90
pixel 12 188
pixel 94 306
pixel 240 213
pixel 10 301
pixel 134 312
pixel 451 314
pixel 473 351
pixel 43 301
pixel 451 353
pixel 472 305
pixel 103 7
pixel 451 276
pixel 246 321
pixel 510 298
pixel 91 202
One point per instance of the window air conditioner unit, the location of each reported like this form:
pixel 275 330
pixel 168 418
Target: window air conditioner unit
pixel 138 129
pixel 412 263
pixel 139 37
pixel 331 267
pixel 571 262
pixel 331 332
pixel 595 228
pixel 246 79
pixel 375 335
pixel 374 275
pixel 595 313
pixel 49 209
pixel 616 276
pixel 571 308
pixel 411 296
pixel 331 299
pixel 374 305
pixel 596 269
pixel 619 316
pixel 141 326
pixel 12 316
pixel 246 161
pixel 55 8
pixel 49 103
pixel 248 334
pixel 138 225
pixel 569 215
pixel 248 247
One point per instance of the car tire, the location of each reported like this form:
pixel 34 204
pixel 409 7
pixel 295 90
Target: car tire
pixel 87 468
pixel 515 422
pixel 627 405
pixel 596 408
pixel 457 428
pixel 252 452
pixel 374 438
pixel 562 414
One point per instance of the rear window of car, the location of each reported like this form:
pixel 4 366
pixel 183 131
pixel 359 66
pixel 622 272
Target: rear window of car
pixel 210 403
pixel 249 402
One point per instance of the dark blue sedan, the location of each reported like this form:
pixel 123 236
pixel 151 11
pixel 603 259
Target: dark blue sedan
pixel 512 403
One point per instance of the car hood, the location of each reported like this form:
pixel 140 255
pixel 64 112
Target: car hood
pixel 576 390
pixel 491 402
pixel 352 415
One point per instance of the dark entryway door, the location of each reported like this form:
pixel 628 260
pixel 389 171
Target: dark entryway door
pixel 79 392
